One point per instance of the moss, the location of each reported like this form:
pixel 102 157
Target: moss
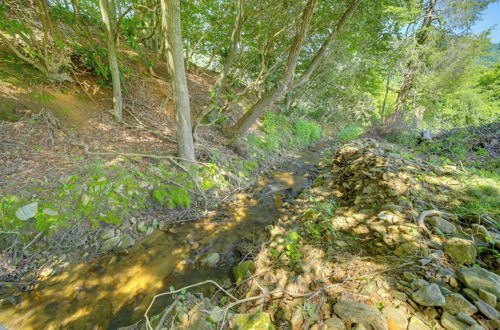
pixel 261 321
pixel 8 110
pixel 242 271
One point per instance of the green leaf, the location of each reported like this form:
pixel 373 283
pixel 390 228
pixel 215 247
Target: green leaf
pixel 27 211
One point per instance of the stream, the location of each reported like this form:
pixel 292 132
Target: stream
pixel 115 289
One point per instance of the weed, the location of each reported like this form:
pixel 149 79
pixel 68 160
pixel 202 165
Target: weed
pixel 350 132
pixel 292 247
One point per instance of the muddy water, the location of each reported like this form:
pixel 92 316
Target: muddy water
pixel 114 291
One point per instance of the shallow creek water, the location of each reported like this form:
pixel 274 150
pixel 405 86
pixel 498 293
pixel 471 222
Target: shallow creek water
pixel 115 290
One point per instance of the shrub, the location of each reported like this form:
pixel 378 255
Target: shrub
pixel 350 132
pixel 306 132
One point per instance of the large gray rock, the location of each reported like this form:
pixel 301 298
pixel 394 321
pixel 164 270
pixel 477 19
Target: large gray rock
pixel 456 303
pixel 462 251
pixel 450 322
pixel 429 295
pixel 479 278
pixel 354 312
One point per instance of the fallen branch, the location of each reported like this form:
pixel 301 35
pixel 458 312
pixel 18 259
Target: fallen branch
pixel 148 323
pixel 429 213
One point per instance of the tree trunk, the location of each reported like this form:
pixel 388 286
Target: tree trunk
pixel 387 86
pixel 109 23
pixel 411 68
pixel 304 78
pixel 241 127
pixel 172 36
pixel 233 49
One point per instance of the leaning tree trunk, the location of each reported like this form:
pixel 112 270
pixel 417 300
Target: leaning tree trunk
pixel 269 97
pixel 320 54
pixel 171 26
pixel 109 23
pixel 408 84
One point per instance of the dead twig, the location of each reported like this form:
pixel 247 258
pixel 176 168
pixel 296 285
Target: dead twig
pixel 148 323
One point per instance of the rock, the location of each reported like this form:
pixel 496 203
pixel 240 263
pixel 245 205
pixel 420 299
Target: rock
pixel 456 303
pixel 216 315
pixel 110 244
pixel 461 251
pixel 46 271
pixel 443 225
pixel 211 260
pixel 127 241
pixel 488 297
pixel 107 233
pixel 466 318
pixel 368 287
pixel 450 322
pixel 395 317
pixel 487 310
pixel 479 278
pixel 260 321
pixel 409 276
pixel 419 283
pixel 334 323
pixel 297 319
pixel 417 324
pixel 242 271
pixel 470 294
pixel 429 296
pixel 410 248
pixel 354 312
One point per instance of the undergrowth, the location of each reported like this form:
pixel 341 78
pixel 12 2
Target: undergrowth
pixel 281 132
pixel 100 195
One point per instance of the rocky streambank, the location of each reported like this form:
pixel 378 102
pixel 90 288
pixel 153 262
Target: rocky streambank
pixel 376 243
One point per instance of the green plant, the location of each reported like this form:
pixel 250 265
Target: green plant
pixel 306 132
pixel 292 247
pixel 350 132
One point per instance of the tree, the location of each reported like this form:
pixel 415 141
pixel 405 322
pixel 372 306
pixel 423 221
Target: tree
pixel 172 38
pixel 108 13
pixel 242 126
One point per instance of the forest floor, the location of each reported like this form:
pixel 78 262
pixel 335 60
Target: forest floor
pixel 383 240
pixel 385 237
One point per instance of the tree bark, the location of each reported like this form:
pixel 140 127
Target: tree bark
pixel 320 54
pixel 241 127
pixel 411 68
pixel 233 49
pixel 172 36
pixel 109 23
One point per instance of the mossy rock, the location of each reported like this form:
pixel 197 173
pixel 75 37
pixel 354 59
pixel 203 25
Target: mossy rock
pixel 242 271
pixel 257 321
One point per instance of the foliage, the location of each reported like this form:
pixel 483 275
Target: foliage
pixel 350 132
pixel 103 195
